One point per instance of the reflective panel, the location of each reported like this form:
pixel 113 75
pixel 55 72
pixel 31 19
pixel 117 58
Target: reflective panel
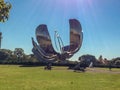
pixel 44 40
pixel 45 51
pixel 76 35
pixel 40 54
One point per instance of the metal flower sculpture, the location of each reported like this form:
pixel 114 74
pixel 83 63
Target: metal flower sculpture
pixel 45 51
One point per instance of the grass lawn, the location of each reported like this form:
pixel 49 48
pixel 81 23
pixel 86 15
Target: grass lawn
pixel 13 77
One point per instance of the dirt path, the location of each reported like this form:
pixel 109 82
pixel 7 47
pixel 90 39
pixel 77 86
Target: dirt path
pixel 103 70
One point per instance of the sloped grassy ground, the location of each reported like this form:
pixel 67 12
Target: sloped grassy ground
pixel 14 77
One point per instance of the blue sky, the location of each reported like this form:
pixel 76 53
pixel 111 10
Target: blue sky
pixel 100 20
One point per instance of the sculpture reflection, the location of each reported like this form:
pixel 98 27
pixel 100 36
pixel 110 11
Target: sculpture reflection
pixel 45 51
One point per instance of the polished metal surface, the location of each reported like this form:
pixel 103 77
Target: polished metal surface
pixel 45 51
pixel 44 40
pixel 40 54
pixel 76 35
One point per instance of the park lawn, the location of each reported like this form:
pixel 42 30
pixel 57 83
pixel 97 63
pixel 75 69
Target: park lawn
pixel 14 77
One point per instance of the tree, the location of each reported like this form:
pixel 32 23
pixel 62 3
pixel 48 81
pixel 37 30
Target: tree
pixel 5 54
pixel 116 61
pixel 4 10
pixel 87 59
pixel 100 58
pixel 19 53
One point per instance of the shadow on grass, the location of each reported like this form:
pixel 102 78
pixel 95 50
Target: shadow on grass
pixel 30 65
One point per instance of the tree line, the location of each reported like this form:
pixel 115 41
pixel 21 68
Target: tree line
pixel 19 57
pixel 16 57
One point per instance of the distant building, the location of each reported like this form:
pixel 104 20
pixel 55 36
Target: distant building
pixel 0 39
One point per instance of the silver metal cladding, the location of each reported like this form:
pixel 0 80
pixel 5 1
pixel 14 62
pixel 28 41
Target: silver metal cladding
pixel 45 51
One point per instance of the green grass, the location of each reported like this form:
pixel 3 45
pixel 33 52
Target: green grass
pixel 13 77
